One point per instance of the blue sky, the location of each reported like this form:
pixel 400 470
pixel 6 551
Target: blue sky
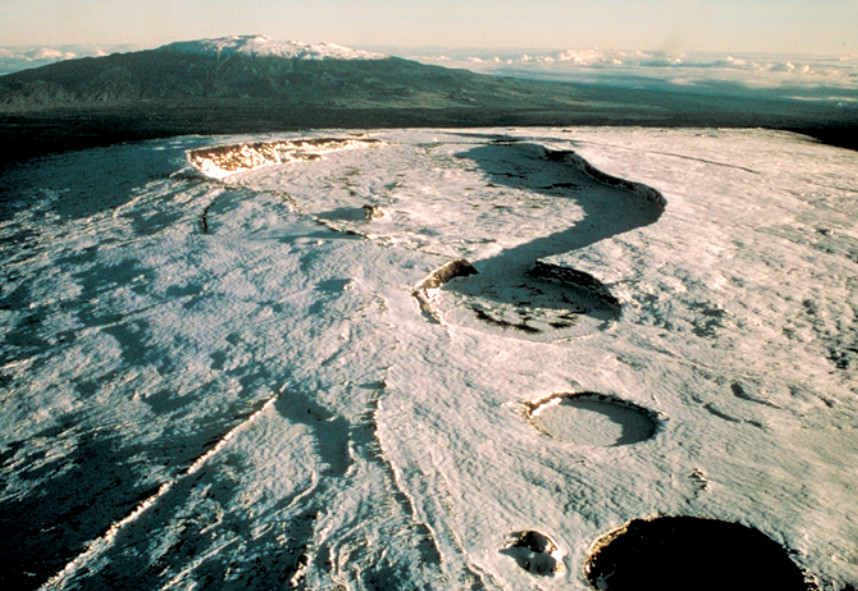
pixel 792 26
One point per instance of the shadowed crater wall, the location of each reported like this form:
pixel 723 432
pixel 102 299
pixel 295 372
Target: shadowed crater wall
pixel 680 553
pixel 514 289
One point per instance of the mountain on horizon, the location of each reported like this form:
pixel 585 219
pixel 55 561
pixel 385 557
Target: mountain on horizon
pixel 248 84
pixel 251 84
pixel 247 67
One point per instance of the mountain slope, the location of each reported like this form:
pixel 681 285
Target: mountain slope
pixel 291 72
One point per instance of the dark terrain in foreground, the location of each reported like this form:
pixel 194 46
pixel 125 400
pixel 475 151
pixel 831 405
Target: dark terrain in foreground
pixel 27 135
pixel 93 102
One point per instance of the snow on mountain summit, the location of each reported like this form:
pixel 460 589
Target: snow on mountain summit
pixel 260 45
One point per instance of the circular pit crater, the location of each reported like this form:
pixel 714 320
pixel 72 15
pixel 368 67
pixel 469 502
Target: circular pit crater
pixel 589 418
pixel 528 307
pixel 681 553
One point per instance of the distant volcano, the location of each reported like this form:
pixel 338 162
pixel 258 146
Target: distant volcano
pixel 251 84
pixel 247 84
pixel 291 73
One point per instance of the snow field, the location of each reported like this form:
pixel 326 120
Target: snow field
pixel 262 46
pixel 316 428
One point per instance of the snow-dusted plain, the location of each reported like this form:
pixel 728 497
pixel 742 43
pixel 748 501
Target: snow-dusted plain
pixel 255 367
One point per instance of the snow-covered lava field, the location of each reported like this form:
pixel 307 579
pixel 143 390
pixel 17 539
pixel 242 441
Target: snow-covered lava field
pixel 557 359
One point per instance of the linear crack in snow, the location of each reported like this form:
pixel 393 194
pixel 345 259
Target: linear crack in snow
pixel 429 547
pixel 102 543
pixel 680 156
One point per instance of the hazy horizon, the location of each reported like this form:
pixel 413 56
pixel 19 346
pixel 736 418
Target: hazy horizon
pixel 785 26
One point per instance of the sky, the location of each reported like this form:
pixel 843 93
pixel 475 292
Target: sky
pixel 783 26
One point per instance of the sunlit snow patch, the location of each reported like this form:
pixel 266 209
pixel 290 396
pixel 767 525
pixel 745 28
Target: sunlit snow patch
pixel 262 46
pixel 222 161
pixel 691 553
pixel 588 418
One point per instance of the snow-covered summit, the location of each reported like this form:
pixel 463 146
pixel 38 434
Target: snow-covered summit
pixel 260 45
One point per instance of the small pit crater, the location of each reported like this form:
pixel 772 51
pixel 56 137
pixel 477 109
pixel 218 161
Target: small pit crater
pixel 589 418
pixel 534 552
pixel 680 553
pixel 545 304
pixel 530 307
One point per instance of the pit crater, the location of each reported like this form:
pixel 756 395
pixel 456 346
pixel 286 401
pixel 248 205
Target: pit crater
pixel 680 553
pixel 590 418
